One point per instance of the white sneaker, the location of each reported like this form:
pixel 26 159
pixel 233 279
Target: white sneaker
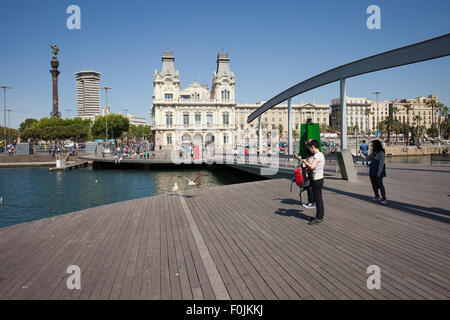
pixel 377 198
pixel 383 201
pixel 309 206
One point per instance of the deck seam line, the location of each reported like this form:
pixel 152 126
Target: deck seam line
pixel 217 284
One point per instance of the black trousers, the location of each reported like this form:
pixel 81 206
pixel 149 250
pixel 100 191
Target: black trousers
pixel 310 193
pixel 377 183
pixel 317 186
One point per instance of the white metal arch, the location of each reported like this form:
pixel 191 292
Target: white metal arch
pixel 418 52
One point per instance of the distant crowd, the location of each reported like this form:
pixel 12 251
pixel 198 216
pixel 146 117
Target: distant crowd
pixel 133 150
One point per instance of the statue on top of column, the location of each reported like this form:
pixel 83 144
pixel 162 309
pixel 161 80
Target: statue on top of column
pixel 55 49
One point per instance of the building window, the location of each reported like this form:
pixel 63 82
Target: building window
pixel 209 119
pixel 225 95
pixel 225 139
pixel 186 120
pixel 169 139
pixel 168 96
pixel 225 118
pixel 198 119
pixel 169 119
pixel 196 96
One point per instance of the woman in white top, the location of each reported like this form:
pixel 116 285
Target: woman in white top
pixel 316 167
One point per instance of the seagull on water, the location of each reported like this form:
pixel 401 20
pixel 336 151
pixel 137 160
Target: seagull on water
pixel 194 181
pixel 175 187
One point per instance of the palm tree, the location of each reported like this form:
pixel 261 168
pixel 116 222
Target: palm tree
pixel 389 123
pixel 394 111
pixel 405 128
pixel 295 134
pixel 446 128
pixel 367 113
pixel 397 129
pixel 395 124
pixel 381 128
pixel 280 130
pixel 350 130
pixel 417 119
pixel 421 130
pixel 408 107
pixel 433 105
pixel 442 111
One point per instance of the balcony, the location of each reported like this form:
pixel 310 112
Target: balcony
pixel 193 101
pixel 192 126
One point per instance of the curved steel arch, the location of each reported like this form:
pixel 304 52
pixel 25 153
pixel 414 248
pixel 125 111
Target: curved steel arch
pixel 421 51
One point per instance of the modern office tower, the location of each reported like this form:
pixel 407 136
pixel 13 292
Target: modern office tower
pixel 88 94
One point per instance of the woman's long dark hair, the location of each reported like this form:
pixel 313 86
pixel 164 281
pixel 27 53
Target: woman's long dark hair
pixel 377 146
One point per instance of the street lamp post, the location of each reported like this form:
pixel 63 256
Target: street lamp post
pixel 439 129
pixel 106 111
pixel 9 125
pixel 376 93
pixel 4 114
pixel 125 112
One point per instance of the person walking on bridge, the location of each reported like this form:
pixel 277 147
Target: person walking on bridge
pixel 364 148
pixel 316 167
pixel 377 170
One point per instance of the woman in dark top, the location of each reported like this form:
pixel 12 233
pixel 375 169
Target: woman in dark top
pixel 377 170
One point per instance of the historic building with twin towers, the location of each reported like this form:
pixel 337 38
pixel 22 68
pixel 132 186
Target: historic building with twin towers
pixel 202 117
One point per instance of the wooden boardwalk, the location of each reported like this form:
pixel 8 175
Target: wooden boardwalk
pixel 246 241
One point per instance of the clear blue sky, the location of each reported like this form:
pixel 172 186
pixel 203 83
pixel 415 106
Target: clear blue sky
pixel 272 44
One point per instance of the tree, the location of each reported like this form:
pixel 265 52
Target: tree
pixel 140 132
pixel 432 103
pixel 148 132
pixel 58 129
pixel 11 134
pixel 117 124
pixel 367 113
pixel 280 130
pixel 394 111
pixel 405 129
pixel 33 134
pixel 350 130
pixel 324 128
pixel 27 123
pixel 381 128
pixel 408 107
pixel 442 111
pixel 417 119
pixel 445 128
pixel 389 123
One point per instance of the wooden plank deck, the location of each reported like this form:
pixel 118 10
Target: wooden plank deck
pixel 245 241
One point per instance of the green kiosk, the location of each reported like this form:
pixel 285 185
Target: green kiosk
pixel 308 131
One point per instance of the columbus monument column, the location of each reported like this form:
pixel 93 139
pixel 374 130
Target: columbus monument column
pixel 55 63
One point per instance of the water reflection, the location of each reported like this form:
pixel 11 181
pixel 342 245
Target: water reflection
pixel 34 193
